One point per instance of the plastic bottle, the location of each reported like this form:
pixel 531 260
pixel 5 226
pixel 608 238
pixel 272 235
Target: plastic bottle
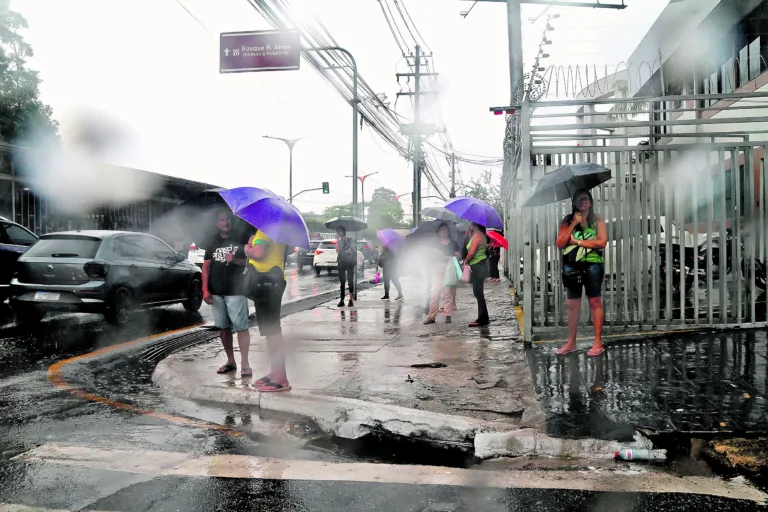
pixel 631 454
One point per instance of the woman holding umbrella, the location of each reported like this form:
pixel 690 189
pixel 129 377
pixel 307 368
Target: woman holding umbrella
pixel 477 259
pixel 447 248
pixel 582 237
pixel 345 247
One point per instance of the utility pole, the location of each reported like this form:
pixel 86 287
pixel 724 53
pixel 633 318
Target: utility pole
pixel 417 131
pixel 290 143
pixel 453 176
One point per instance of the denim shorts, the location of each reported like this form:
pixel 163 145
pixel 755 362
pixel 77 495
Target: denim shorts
pixel 592 275
pixel 230 312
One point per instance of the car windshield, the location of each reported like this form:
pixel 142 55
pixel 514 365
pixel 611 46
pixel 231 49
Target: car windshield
pixel 314 245
pixel 327 245
pixel 64 248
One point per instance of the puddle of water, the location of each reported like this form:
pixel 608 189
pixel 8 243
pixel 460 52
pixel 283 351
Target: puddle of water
pixel 702 383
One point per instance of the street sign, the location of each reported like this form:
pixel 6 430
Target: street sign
pixel 262 50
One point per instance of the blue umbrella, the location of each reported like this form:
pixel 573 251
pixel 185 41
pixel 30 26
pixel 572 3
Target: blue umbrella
pixel 270 213
pixel 475 210
pixel 391 239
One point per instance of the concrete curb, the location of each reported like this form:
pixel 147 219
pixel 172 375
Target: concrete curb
pixel 351 419
pixel 345 417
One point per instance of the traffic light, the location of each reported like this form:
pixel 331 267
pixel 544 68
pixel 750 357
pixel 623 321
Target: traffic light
pixel 326 188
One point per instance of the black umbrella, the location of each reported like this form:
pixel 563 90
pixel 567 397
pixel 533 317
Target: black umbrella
pixel 428 231
pixel 197 218
pixel 440 213
pixel 348 223
pixel 561 184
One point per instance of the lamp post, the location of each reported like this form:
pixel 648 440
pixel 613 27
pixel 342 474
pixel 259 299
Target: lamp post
pixel 362 186
pixel 355 105
pixel 290 143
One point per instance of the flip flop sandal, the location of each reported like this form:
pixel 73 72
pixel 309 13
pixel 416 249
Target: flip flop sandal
pixel 562 352
pixel 227 368
pixel 274 387
pixel 246 372
pixel 262 381
pixel 596 353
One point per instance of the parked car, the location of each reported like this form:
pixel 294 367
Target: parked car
pixel 369 251
pixel 108 272
pixel 326 258
pixel 196 255
pixel 14 241
pixel 305 257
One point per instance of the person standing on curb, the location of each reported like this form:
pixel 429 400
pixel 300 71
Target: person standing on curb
pixel 446 249
pixel 223 291
pixel 345 247
pixel 266 285
pixel 388 262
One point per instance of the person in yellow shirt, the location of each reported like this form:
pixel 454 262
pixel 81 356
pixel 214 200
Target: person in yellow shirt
pixel 266 278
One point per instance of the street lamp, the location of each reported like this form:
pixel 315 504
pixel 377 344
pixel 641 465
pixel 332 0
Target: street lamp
pixel 398 196
pixel 362 185
pixel 290 143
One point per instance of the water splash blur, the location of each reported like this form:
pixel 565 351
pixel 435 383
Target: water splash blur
pixel 79 178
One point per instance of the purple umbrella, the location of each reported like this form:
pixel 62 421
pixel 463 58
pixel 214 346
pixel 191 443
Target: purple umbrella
pixel 270 213
pixel 391 239
pixel 475 210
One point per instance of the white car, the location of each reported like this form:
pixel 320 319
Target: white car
pixel 196 255
pixel 326 258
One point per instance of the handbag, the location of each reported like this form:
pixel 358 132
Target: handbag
pixel 572 278
pixel 452 275
pixel 259 284
pixel 466 276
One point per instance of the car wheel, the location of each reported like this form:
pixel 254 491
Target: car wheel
pixel 27 315
pixel 195 299
pixel 119 311
pixel 317 271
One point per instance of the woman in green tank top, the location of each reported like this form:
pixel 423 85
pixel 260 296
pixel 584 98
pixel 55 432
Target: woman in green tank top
pixel 477 259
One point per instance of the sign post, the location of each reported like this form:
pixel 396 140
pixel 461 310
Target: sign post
pixel 262 50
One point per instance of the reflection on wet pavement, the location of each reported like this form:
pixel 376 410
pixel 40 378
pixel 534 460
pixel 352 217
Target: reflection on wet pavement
pixel 681 383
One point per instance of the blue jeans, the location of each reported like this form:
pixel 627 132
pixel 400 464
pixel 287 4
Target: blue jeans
pixel 230 312
pixel 591 280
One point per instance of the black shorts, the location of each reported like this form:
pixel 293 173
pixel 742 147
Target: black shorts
pixel 591 280
pixel 268 304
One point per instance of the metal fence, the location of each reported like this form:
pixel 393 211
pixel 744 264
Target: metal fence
pixel 687 222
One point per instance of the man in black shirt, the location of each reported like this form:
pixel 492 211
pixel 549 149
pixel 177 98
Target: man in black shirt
pixel 223 282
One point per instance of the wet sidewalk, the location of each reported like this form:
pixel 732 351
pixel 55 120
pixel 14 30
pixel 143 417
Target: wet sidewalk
pixel 380 352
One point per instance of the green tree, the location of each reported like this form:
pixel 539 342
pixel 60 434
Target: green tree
pixel 339 210
pixel 384 211
pixel 22 115
pixel 315 222
pixel 486 188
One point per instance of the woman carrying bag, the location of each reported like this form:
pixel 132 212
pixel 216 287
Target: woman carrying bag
pixel 445 278
pixel 476 272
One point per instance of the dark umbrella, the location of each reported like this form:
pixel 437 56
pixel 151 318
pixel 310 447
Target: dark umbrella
pixel 270 213
pixel 346 222
pixel 475 210
pixel 562 183
pixel 428 230
pixel 196 218
pixel 440 213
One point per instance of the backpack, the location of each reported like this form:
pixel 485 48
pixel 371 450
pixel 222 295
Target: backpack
pixel 347 253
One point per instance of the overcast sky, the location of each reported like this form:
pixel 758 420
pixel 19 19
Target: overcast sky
pixel 150 67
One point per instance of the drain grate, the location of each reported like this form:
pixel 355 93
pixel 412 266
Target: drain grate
pixel 162 349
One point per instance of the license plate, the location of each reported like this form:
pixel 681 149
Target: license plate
pixel 47 296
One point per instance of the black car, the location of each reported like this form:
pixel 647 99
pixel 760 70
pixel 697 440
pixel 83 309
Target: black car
pixel 108 272
pixel 305 258
pixel 14 241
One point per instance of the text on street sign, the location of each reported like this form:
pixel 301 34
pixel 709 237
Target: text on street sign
pixel 262 50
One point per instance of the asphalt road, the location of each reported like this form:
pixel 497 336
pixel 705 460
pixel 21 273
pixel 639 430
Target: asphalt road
pixel 109 439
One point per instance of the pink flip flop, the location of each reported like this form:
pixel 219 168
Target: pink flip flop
pixel 562 352
pixel 593 353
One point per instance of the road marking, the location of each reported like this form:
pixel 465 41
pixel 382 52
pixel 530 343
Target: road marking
pixel 56 378
pixel 162 463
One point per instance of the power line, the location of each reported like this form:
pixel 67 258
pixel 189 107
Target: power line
pixel 194 17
